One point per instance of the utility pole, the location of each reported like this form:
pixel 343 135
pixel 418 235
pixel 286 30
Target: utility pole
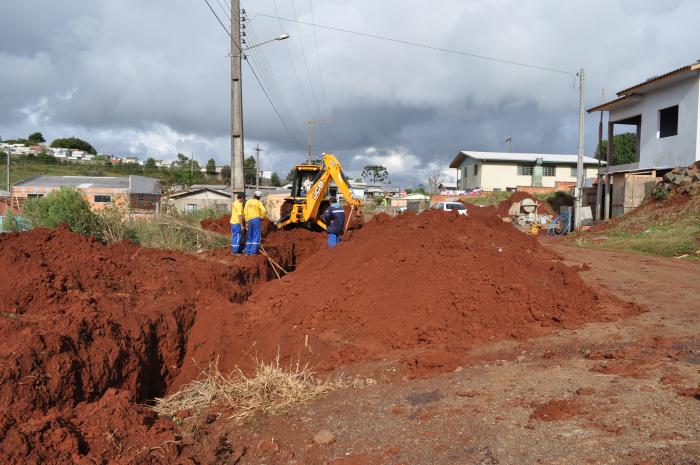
pixel 257 166
pixel 9 151
pixel 191 166
pixel 599 177
pixel 580 175
pixel 309 134
pixel 237 178
pixel 510 144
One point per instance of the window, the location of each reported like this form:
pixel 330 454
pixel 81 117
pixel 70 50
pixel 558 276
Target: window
pixel 524 170
pixel 455 206
pixel 549 170
pixel 34 196
pixel 103 198
pixel 668 122
pixel 438 206
pixel 466 173
pixel 476 170
pixel 190 208
pixel 573 172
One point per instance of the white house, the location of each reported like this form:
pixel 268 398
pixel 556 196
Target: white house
pixel 498 171
pixel 663 112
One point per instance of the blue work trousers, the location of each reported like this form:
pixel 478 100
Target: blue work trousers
pixel 236 238
pixel 333 239
pixel 253 242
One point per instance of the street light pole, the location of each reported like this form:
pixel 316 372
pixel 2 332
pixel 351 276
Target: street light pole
pixel 580 175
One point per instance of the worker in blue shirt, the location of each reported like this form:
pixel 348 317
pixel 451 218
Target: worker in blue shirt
pixel 334 217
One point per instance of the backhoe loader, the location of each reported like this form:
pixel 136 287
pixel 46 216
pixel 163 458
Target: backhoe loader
pixel 308 199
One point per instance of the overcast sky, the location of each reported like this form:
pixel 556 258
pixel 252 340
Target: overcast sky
pixel 151 78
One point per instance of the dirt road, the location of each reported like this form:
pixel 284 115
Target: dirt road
pixel 623 392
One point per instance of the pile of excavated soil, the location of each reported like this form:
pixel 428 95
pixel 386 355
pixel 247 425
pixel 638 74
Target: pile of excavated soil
pixel 90 332
pixel 504 206
pixel 433 285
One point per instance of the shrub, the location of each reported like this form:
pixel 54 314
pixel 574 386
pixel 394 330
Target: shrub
pixel 66 205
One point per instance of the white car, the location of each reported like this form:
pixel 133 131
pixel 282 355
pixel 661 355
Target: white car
pixel 451 206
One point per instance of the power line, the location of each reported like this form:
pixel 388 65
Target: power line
pixel 265 68
pixel 416 44
pixel 318 62
pixel 255 75
pixel 303 54
pixel 291 61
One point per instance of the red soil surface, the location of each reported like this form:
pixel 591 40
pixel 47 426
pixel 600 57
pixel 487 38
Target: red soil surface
pixel 556 410
pixel 89 332
pixel 434 285
pixel 92 332
pixel 504 206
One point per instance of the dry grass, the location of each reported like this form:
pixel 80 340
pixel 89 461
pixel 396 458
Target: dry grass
pixel 272 390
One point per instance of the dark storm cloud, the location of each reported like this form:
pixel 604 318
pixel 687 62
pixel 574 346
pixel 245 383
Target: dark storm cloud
pixel 151 78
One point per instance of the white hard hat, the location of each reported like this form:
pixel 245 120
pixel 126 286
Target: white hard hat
pixel 257 194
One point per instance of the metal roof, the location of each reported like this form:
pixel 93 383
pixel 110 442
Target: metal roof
pixel 75 181
pixel 187 193
pixel 675 72
pixel 142 185
pixel 520 157
pixel 135 184
pixel 4 193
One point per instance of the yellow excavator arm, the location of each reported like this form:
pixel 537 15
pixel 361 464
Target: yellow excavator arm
pixel 307 210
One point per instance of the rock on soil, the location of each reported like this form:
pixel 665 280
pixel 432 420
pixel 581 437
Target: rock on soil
pixel 324 437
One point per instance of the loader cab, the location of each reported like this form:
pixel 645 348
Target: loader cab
pixel 304 175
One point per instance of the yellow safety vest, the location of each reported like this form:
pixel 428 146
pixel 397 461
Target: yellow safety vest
pixel 254 209
pixel 236 212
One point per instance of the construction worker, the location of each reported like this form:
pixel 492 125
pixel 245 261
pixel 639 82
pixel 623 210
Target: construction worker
pixel 334 217
pixel 306 186
pixel 237 224
pixel 254 212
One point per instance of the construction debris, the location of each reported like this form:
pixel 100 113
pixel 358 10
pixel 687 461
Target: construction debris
pixel 680 180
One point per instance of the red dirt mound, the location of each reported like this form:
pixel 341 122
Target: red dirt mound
pixel 556 410
pixel 89 330
pixel 433 281
pixel 504 206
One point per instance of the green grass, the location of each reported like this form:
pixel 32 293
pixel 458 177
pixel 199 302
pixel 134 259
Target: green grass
pixel 668 232
pixel 494 198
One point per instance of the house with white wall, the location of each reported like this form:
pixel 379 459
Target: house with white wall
pixel 663 113
pixel 499 171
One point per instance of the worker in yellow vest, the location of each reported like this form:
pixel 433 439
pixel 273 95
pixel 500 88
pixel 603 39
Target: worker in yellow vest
pixel 254 212
pixel 237 224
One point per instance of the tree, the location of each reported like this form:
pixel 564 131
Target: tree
pixel 182 160
pixel 436 177
pixel 275 179
pixel 73 143
pixel 36 138
pixel 624 149
pixel 375 173
pixel 66 205
pixel 211 167
pixel 249 170
pixel 150 163
pixel 226 173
